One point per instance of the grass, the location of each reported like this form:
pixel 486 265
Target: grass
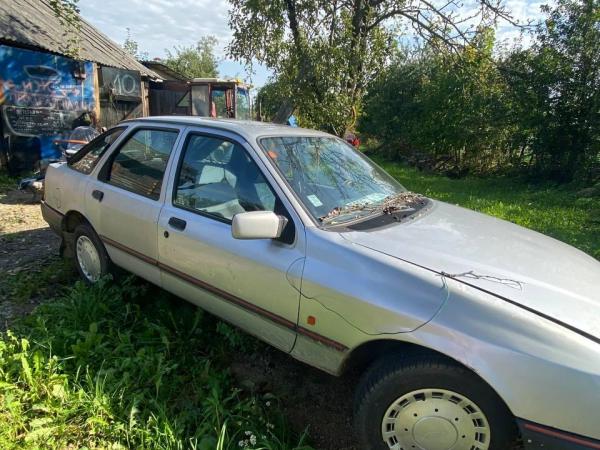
pixel 120 366
pixel 554 210
pixel 7 182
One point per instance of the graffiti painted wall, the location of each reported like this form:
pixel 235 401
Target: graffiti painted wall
pixel 42 98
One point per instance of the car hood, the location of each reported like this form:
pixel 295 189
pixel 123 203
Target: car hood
pixel 523 266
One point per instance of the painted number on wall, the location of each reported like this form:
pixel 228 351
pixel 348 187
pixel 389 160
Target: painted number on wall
pixel 121 83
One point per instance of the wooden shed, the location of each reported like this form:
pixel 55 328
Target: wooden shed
pixel 50 75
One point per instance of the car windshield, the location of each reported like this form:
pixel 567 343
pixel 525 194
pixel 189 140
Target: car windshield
pixel 335 182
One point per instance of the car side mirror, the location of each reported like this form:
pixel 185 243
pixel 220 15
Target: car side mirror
pixel 257 225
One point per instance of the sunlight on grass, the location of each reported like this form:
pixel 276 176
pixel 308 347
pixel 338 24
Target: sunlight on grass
pixel 552 210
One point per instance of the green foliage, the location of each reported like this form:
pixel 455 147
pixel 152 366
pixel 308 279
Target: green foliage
pixel 36 282
pixel 269 99
pixel 479 110
pixel 235 339
pixel 123 366
pixel 131 46
pixel 194 61
pixel 555 210
pixel 556 89
pixel 445 112
pixel 7 182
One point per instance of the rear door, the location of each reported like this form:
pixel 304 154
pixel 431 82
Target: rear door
pixel 254 284
pixel 124 202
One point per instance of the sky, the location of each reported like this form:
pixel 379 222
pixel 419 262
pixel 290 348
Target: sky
pixel 160 24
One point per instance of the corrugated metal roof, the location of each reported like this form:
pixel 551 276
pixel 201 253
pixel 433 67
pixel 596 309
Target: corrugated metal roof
pixel 164 71
pixel 33 23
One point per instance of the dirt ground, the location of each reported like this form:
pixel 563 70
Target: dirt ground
pixel 24 235
pixel 26 245
pixel 311 399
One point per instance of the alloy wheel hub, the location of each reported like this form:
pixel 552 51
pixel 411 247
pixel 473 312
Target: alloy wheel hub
pixel 435 419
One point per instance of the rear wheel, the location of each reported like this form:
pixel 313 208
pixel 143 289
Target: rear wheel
pixel 429 403
pixel 91 259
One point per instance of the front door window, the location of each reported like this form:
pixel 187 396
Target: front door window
pixel 218 178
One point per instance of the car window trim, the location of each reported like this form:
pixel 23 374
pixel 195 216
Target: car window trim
pixel 239 143
pixel 189 135
pixel 107 165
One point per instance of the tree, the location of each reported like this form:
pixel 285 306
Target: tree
pixel 195 61
pixel 556 91
pixel 535 109
pixel 130 45
pixel 325 52
pixel 442 112
pixel 569 49
pixel 268 100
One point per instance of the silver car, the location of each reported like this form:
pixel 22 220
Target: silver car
pixel 471 332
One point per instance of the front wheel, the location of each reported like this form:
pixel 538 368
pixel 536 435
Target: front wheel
pixel 429 403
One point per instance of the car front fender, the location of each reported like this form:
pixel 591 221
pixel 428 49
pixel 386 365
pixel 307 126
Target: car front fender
pixel 545 373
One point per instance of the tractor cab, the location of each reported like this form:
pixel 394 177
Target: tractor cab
pixel 204 97
pixel 212 97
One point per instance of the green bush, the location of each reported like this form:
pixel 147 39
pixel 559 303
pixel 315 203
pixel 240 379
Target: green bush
pixel 485 108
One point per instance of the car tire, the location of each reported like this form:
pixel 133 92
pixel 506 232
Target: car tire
pixel 91 260
pixel 429 402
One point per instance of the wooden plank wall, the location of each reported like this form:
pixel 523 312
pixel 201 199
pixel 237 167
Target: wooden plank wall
pixel 111 112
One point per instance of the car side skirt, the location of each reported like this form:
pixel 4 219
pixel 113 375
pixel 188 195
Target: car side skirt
pixel 536 436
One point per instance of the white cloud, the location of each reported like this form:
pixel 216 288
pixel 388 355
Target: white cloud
pixel 160 24
pixel 157 25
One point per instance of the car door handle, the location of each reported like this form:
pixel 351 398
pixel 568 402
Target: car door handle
pixel 98 195
pixel 178 224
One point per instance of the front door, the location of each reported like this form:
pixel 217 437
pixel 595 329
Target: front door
pixel 251 283
pixel 129 189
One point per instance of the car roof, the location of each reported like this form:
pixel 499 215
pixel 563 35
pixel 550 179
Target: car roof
pixel 248 129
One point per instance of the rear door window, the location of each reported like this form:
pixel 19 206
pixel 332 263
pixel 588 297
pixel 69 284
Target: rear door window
pixel 139 165
pixel 86 159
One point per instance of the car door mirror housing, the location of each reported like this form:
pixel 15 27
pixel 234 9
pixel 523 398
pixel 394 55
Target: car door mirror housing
pixel 257 225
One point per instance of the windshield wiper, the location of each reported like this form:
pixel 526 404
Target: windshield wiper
pixel 402 201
